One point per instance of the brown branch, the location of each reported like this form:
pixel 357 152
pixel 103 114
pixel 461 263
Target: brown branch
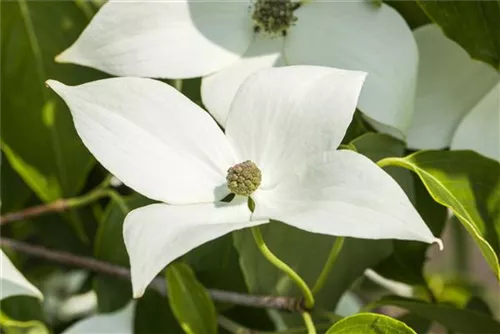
pixel 57 206
pixel 280 303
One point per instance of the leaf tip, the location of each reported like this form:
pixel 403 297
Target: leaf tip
pixel 62 57
pixel 439 242
pixel 55 85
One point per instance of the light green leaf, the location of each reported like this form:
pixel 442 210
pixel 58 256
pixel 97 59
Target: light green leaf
pixel 468 184
pixel 37 133
pixel 473 24
pixel 370 323
pixel 460 320
pixel 306 253
pixel 11 326
pixel 189 300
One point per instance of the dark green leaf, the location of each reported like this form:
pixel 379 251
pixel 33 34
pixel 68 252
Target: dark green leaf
pixel 189 300
pixel 468 184
pixel 357 128
pixel 418 324
pixel 474 24
pixel 306 253
pixel 412 13
pixel 407 262
pixel 14 192
pixel 477 304
pixel 216 264
pixel 370 323
pixel 23 308
pixel 37 133
pixel 113 293
pixel 154 315
pixel 459 320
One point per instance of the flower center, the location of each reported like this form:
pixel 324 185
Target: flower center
pixel 274 16
pixel 243 178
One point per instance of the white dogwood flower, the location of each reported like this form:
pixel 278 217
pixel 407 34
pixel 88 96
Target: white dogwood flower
pixel 457 103
pixel 12 282
pixel 278 148
pixel 226 41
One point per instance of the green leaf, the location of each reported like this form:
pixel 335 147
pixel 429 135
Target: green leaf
pixel 14 192
pixel 460 320
pixel 370 323
pixel 216 264
pixel 113 293
pixel 189 300
pixel 468 184
pixel 306 253
pixel 412 13
pixel 37 133
pixel 474 24
pixel 11 326
pixel 154 315
pixel 407 260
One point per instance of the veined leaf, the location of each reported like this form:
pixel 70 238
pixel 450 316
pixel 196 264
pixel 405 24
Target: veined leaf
pixel 468 184
pixel 370 323
pixel 190 301
pixel 473 24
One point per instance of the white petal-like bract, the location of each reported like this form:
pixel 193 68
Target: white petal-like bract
pixel 218 89
pixel 119 322
pixel 157 234
pixel 479 130
pixel 450 84
pixel 151 137
pixel 163 39
pixel 12 282
pixel 282 116
pixel 356 35
pixel 343 193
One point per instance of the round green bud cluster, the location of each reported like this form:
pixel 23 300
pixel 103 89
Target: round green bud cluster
pixel 274 16
pixel 243 178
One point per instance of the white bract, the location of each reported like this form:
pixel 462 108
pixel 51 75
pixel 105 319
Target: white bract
pixel 288 121
pixel 12 282
pixel 458 98
pixel 226 41
pixel 119 322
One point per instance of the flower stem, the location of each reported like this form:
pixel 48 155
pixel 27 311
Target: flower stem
pixel 332 257
pixel 309 323
pixel 308 296
pixel 386 162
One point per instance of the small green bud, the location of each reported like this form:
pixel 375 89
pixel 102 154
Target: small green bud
pixel 244 178
pixel 274 16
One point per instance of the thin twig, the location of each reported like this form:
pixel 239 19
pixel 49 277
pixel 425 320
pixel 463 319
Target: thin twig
pixel 158 284
pixel 57 206
pixel 63 204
